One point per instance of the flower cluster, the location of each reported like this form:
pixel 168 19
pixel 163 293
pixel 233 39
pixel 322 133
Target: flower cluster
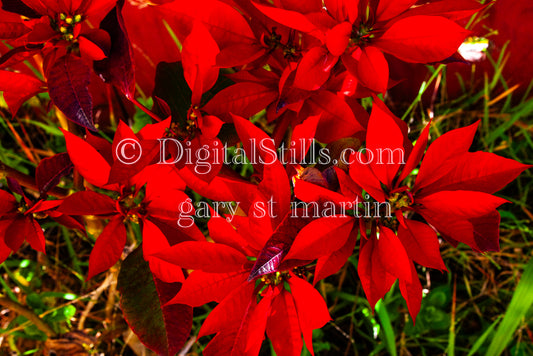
pixel 304 66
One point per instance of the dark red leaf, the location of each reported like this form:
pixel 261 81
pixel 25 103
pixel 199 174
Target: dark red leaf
pixel 50 171
pixel 117 68
pixel 162 328
pixel 68 81
pixel 277 246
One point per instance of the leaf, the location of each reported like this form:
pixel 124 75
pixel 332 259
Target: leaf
pixel 18 87
pixel 422 39
pixel 518 307
pixel 171 87
pixel 50 171
pixel 68 81
pixel 162 328
pixel 108 247
pixel 277 246
pixel 117 68
pixel 19 7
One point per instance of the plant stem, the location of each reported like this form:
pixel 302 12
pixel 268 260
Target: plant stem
pixel 28 314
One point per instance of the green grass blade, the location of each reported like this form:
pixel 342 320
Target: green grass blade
pixel 520 304
pixel 386 327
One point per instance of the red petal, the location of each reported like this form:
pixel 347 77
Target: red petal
pixel 108 247
pixel 11 30
pixel 374 278
pixel 283 327
pixel 328 265
pixel 201 287
pixel 388 9
pixel 314 68
pixel 337 119
pixel 205 256
pixel 422 39
pixel 460 203
pixel 291 19
pixel 421 244
pixel 412 292
pixel 393 255
pixel 416 154
pixel 338 37
pixel 91 165
pixel 449 146
pixel 388 143
pixel 88 203
pixel 342 10
pixel 373 69
pixel 478 171
pixel 17 231
pixel 18 88
pixel 321 237
pixel 90 49
pixel 35 236
pixel 312 309
pixel 243 99
pixel 199 59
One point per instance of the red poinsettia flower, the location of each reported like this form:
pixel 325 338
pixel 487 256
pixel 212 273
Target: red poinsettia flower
pixel 452 193
pixel 360 31
pixel 157 208
pixel 18 220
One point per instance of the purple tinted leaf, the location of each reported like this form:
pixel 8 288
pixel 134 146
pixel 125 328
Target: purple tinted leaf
pixel 68 79
pixel 278 245
pixel 117 68
pixel 164 329
pixel 51 170
pixel 14 186
pixel 20 8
